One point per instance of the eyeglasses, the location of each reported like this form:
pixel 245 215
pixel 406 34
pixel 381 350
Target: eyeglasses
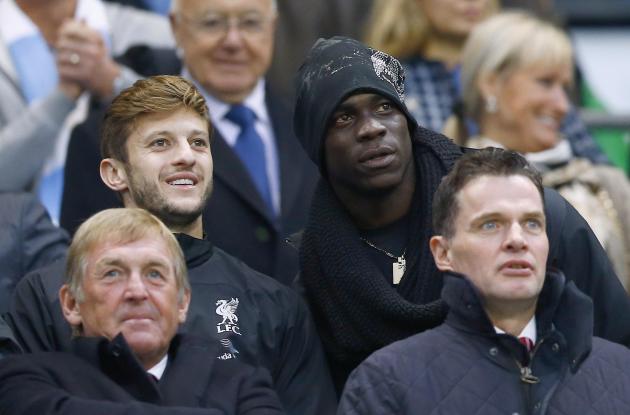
pixel 216 25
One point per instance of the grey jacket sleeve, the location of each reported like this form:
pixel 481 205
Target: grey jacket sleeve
pixel 26 140
pixel 28 133
pixel 42 241
pixel 28 241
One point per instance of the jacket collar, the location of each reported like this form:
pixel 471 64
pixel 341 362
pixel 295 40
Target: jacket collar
pixel 116 360
pixel 196 251
pixel 561 307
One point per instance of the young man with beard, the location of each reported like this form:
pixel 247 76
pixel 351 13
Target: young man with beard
pixel 156 147
pixel 366 268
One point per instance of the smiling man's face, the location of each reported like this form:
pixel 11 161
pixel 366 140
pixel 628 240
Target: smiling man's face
pixel 169 171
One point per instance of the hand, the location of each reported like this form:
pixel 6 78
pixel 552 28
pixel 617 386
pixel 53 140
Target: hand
pixel 83 59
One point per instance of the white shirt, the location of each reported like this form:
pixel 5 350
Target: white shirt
pixel 230 131
pixel 158 370
pixel 528 331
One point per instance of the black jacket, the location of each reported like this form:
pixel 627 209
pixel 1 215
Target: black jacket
pixel 8 344
pixel 235 218
pixel 103 377
pixel 464 366
pixel 272 328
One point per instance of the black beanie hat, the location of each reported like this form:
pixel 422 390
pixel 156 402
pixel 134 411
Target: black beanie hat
pixel 334 69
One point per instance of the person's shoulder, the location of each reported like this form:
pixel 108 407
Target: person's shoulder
pixel 41 361
pixel 412 352
pixel 607 349
pixel 223 268
pixel 49 277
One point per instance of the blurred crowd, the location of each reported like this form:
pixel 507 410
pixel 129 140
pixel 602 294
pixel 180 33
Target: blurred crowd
pixel 278 198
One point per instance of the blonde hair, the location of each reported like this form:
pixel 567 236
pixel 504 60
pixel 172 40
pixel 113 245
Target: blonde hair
pixel 120 226
pixel 400 28
pixel 500 45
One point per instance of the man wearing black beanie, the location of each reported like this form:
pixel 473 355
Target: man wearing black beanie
pixel 366 268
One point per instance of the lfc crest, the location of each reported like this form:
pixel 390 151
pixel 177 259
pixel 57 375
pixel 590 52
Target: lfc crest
pixel 227 310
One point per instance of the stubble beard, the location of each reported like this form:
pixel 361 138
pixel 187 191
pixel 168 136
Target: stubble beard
pixel 147 196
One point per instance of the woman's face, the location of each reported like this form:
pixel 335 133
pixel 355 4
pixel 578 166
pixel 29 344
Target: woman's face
pixel 455 17
pixel 531 105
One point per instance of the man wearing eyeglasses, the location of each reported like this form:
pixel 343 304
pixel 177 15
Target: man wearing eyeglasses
pixel 263 179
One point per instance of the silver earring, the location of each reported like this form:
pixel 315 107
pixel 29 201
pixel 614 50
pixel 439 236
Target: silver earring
pixel 491 104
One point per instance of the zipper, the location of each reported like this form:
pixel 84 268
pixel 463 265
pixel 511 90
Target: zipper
pixel 526 372
pixel 528 378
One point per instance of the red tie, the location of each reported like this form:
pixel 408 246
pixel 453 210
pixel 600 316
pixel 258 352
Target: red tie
pixel 527 342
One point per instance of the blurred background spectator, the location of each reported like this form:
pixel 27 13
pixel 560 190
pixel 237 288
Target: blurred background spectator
pixel 428 36
pixel 515 72
pixel 300 23
pixel 51 52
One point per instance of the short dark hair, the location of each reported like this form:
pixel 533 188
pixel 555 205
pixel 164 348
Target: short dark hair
pixel 154 95
pixel 473 164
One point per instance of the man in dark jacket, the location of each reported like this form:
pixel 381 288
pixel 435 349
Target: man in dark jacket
pixel 515 340
pixel 125 295
pixel 156 142
pixel 366 268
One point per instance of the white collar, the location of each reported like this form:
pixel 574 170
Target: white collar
pixel 528 331
pixel 218 109
pixel 158 369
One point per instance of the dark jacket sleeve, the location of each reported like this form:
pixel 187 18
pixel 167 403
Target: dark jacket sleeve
pixel 8 344
pixel 304 383
pixel 28 240
pixel 43 242
pixel 26 389
pixel 35 313
pixel 370 390
pixel 575 250
pixel 256 395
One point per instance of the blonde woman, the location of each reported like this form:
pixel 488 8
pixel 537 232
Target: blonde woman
pixel 515 73
pixel 428 36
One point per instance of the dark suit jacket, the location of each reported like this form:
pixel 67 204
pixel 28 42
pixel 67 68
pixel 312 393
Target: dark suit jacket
pixel 234 219
pixel 103 377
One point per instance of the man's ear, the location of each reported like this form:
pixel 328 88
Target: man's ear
pixel 70 306
pixel 182 307
pixel 113 174
pixel 441 253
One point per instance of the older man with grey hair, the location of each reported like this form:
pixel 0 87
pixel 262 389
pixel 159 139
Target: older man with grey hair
pixel 126 293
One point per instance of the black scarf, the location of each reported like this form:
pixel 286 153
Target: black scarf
pixel 356 311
